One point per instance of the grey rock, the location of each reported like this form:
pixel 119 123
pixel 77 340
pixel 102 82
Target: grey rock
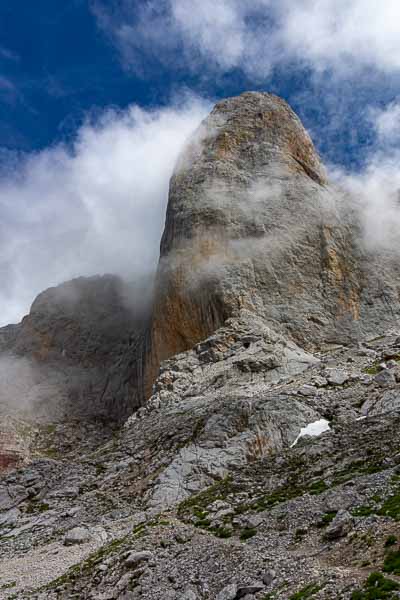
pixel 71 512
pixel 250 589
pixel 227 512
pixel 320 381
pixel 337 377
pixel 228 593
pixel 341 525
pixel 391 364
pixel 225 405
pixel 70 492
pixel 124 581
pixel 388 402
pixel 322 286
pixel 307 390
pixel 268 577
pixel 135 558
pixel 252 521
pixel 92 327
pixel 10 517
pixel 385 378
pixel 77 535
pixel 189 595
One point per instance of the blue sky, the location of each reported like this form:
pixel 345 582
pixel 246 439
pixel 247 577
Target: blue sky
pixel 98 96
pixel 61 61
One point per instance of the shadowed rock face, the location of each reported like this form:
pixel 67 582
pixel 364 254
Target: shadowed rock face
pixel 252 224
pixel 75 353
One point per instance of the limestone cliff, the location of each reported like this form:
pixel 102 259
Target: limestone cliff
pixel 253 223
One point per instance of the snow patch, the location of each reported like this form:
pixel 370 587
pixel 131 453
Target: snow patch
pixel 313 429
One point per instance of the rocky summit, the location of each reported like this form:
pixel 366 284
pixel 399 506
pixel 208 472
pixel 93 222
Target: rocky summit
pixel 228 430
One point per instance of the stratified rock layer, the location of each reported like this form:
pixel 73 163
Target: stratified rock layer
pixel 252 223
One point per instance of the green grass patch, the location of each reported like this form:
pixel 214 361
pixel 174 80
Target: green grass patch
pixel 199 502
pixel 8 586
pixel 391 540
pixel 282 495
pixel 363 511
pixel 306 592
pixel 36 507
pixel 317 488
pixel 376 587
pixel 248 533
pixel 373 369
pixel 327 518
pixel 391 507
pixel 222 532
pixel 392 562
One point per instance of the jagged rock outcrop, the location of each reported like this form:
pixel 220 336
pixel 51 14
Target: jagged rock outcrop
pixel 252 223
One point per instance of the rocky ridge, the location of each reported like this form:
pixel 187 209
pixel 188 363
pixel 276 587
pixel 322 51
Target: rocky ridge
pixel 264 463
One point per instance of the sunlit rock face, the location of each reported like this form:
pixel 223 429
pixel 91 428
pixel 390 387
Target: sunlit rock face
pixel 253 223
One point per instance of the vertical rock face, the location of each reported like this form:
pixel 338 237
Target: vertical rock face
pixel 252 223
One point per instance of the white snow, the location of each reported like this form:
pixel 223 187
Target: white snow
pixel 313 429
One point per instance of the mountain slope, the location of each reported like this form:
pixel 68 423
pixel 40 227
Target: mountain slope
pixel 261 456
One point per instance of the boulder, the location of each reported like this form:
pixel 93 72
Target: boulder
pixel 77 535
pixel 135 558
pixel 341 525
pixel 228 593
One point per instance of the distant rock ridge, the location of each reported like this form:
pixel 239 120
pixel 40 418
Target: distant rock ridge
pixel 75 354
pixel 252 225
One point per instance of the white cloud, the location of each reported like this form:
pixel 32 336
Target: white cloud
pixel 387 123
pixel 376 188
pixel 258 35
pixel 96 207
pixel 338 33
